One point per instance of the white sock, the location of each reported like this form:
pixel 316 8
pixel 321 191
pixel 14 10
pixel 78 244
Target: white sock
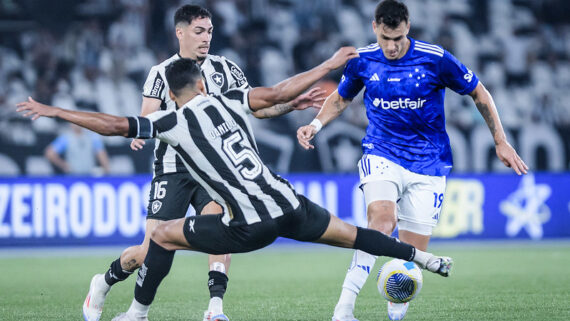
pixel 102 284
pixel 362 264
pixel 422 258
pixel 216 306
pixel 138 309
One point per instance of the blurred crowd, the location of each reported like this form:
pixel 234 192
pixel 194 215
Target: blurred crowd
pixel 95 55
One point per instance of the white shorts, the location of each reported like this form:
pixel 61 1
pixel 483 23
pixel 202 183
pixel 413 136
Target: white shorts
pixel 419 197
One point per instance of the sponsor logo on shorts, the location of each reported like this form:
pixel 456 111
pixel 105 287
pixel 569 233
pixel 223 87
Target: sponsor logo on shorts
pixel 191 226
pixel 156 205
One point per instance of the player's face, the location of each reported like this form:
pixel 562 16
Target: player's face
pixel 394 42
pixel 195 38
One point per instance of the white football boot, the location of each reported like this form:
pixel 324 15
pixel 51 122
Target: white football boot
pixel 93 304
pixel 343 312
pixel 441 265
pixel 128 317
pixel 397 311
pixel 209 316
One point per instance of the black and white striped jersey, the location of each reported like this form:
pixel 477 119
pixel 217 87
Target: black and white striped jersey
pixel 220 75
pixel 213 138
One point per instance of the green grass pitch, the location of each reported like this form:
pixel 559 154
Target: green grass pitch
pixel 490 281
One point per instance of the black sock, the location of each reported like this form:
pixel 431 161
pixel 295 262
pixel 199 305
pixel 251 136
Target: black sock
pixel 377 243
pixel 116 273
pixel 155 267
pixel 217 283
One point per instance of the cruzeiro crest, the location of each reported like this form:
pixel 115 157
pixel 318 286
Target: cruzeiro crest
pixel 217 78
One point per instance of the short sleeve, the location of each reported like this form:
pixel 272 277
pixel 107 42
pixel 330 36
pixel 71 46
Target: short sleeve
pixel 154 86
pixel 60 144
pixel 238 77
pixel 236 99
pixel 156 125
pixel 456 76
pixel 350 83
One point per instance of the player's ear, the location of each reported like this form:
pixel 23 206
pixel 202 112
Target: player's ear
pixel 374 26
pixel 200 86
pixel 179 32
pixel 171 94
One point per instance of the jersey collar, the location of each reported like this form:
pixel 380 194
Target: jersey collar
pixel 404 58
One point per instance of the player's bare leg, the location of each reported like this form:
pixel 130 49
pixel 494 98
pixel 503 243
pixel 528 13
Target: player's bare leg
pixel 381 217
pixel 165 240
pixel 130 260
pixel 419 241
pixel 342 234
pixel 217 275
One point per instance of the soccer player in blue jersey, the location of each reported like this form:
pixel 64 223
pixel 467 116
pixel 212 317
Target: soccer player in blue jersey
pixel 407 154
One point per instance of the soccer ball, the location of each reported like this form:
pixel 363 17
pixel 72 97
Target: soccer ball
pixel 399 281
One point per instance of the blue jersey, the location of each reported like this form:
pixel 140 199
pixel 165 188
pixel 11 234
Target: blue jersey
pixel 404 103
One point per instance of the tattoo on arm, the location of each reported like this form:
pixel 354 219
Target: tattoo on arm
pixel 339 106
pixel 276 110
pixel 486 113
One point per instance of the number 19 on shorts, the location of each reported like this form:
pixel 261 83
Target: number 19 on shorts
pixel 437 200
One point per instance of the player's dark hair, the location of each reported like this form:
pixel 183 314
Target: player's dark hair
pixel 391 13
pixel 189 12
pixel 182 73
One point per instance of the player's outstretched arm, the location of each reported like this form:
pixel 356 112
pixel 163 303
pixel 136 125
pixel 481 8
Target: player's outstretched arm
pixel 312 98
pixel 264 97
pixel 104 124
pixel 332 108
pixel 488 110
pixel 149 106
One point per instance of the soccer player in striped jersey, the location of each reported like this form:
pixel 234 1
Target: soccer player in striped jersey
pixel 407 154
pixel 216 144
pixel 172 187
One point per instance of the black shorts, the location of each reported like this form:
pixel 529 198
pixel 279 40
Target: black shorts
pixel 208 234
pixel 171 194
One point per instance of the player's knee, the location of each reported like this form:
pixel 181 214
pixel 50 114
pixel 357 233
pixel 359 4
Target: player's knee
pixel 163 235
pixel 211 208
pixel 382 216
pixel 159 234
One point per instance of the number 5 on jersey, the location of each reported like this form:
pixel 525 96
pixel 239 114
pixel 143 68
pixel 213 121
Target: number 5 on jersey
pixel 242 157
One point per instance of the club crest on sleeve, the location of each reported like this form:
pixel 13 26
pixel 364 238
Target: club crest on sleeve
pixel 217 78
pixel 156 205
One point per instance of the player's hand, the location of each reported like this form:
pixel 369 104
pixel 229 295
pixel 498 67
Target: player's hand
pixel 341 56
pixel 305 134
pixel 510 158
pixel 35 110
pixel 137 144
pixel 312 98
